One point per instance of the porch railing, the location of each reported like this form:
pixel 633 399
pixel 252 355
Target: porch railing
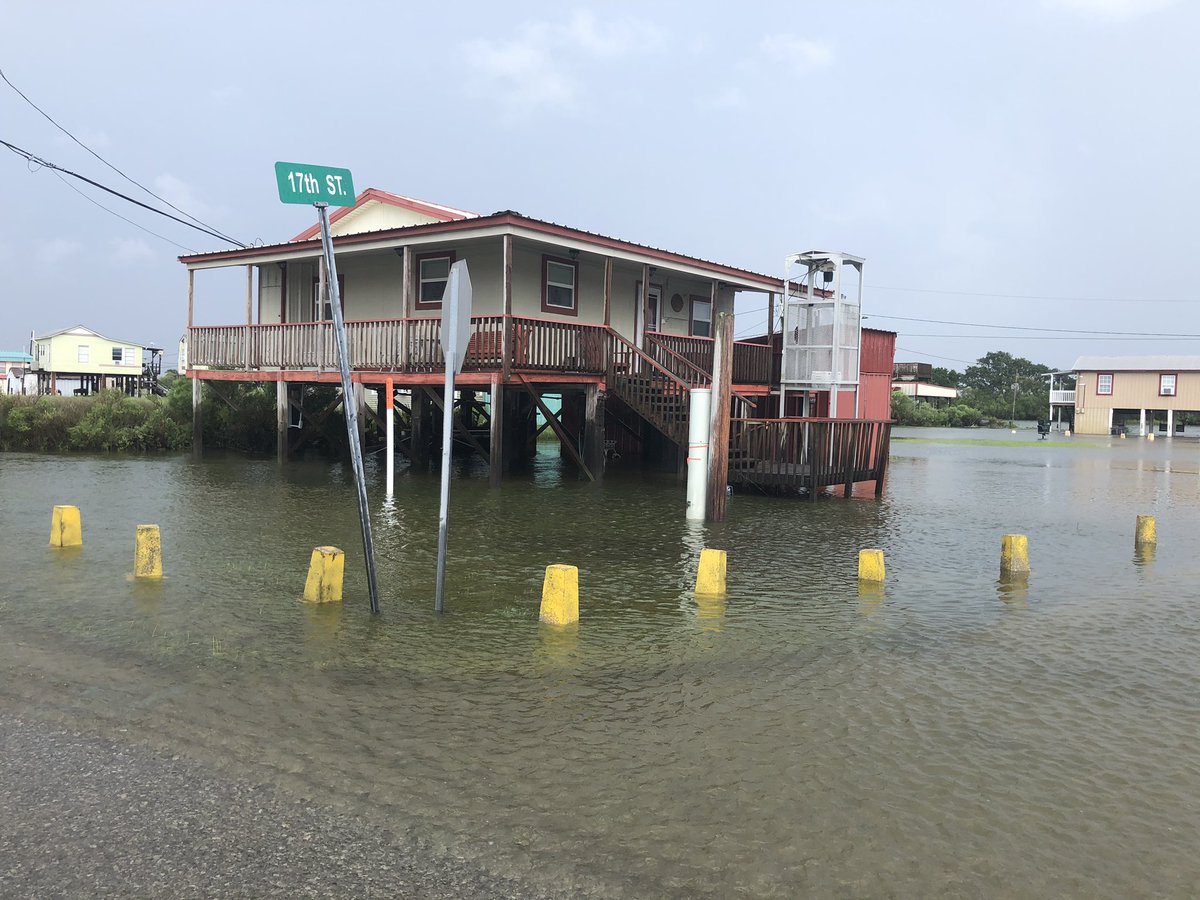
pixel 402 345
pixel 751 362
pixel 1062 396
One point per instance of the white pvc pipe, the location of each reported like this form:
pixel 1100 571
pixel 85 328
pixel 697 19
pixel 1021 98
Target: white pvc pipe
pixel 391 443
pixel 699 409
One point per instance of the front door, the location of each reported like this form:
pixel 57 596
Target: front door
pixel 650 319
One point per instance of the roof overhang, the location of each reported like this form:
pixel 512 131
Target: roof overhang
pixel 490 226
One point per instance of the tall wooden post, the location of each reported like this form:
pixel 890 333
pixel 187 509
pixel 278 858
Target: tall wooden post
pixel 593 430
pixel 191 295
pixel 281 420
pixel 405 300
pixel 506 331
pixel 249 315
pixel 718 444
pixel 645 302
pixel 318 314
pixel 770 317
pixel 496 436
pixel 360 408
pixel 419 428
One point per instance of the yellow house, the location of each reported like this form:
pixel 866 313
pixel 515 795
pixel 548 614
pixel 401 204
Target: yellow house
pixel 1137 394
pixel 86 362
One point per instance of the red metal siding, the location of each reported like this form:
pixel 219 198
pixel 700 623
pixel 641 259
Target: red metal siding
pixel 878 352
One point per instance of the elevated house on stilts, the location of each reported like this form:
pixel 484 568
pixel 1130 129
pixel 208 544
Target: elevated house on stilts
pixel 620 331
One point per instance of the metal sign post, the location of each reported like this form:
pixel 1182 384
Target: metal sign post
pixel 322 186
pixel 455 332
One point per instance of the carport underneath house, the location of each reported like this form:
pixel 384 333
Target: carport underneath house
pixel 621 332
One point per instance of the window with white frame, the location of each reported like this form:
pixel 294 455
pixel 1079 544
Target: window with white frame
pixel 701 317
pixel 559 285
pixel 1104 383
pixel 85 353
pixel 433 272
pixel 132 357
pixel 1166 385
pixel 116 356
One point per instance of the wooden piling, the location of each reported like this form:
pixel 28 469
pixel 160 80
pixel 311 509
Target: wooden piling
pixel 496 434
pixel 718 444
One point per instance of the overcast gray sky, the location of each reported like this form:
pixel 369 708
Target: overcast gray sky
pixel 1042 149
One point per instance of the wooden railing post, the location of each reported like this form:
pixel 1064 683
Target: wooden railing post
pixel 506 343
pixel 718 444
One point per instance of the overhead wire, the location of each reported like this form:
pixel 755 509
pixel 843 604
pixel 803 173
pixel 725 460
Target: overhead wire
pixel 211 229
pixel 119 216
pixel 1147 334
pixel 37 160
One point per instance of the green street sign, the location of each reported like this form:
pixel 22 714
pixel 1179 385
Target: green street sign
pixel 302 183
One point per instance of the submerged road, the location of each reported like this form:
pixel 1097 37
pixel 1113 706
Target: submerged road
pixel 85 816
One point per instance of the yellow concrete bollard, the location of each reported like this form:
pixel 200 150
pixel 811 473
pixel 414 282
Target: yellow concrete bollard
pixel 1150 436
pixel 1014 555
pixel 560 595
pixel 325 572
pixel 147 552
pixel 65 527
pixel 1067 433
pixel 710 577
pixel 1147 531
pixel 870 565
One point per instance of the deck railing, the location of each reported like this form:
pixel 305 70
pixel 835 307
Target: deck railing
pixel 808 454
pixel 751 362
pixel 1062 396
pixel 401 345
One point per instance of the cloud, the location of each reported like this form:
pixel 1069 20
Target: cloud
pixel 56 250
pixel 727 98
pixel 536 68
pixel 178 192
pixel 1111 10
pixel 130 250
pixel 802 54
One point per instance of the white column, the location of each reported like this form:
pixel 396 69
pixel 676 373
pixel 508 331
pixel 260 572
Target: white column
pixel 697 453
pixel 1142 422
pixel 390 457
pixel 1170 422
pixel 1110 418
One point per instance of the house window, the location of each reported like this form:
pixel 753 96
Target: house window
pixel 1166 385
pixel 116 355
pixel 84 353
pixel 325 309
pixel 560 279
pixel 132 357
pixel 433 272
pixel 701 317
pixel 1104 384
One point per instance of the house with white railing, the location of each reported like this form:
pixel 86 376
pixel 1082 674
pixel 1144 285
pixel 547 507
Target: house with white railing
pixel 620 331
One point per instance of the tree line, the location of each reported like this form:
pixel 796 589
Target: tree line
pixel 999 387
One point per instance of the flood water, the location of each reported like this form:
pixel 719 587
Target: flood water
pixel 953 736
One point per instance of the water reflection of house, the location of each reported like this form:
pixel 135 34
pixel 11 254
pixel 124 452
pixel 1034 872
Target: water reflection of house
pixel 619 331
pixel 1134 394
pixel 82 361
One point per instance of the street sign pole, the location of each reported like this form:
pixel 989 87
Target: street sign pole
pixel 323 186
pixel 348 402
pixel 456 322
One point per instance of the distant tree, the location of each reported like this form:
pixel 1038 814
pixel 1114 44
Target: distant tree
pixel 988 386
pixel 946 377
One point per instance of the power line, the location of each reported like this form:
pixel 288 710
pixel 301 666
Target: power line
pixel 912 290
pixel 119 216
pixel 1130 334
pixel 969 362
pixel 212 229
pixel 37 160
pixel 1048 337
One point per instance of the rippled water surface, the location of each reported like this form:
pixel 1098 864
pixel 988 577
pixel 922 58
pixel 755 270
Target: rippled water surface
pixel 950 736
